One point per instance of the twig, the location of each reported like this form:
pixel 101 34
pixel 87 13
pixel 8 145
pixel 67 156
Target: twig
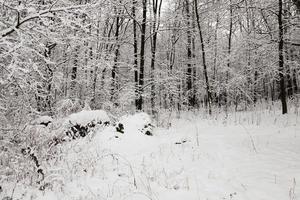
pixel 13 191
pixel 197 135
pixel 251 138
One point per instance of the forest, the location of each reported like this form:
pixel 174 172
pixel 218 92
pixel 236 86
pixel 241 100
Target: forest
pixel 147 55
pixel 80 69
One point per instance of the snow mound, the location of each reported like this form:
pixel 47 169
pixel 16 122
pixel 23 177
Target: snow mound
pixel 129 142
pixel 135 124
pixel 86 116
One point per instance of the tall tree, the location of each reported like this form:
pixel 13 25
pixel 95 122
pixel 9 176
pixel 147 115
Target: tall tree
pixel 189 82
pixel 229 55
pixel 156 8
pixel 207 87
pixel 135 56
pixel 114 86
pixel 281 59
pixel 142 55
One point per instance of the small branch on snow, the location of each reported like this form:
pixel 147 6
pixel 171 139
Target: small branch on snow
pixel 251 139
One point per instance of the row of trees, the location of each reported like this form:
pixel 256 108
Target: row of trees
pixel 147 54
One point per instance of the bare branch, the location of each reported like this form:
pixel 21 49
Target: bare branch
pixel 42 13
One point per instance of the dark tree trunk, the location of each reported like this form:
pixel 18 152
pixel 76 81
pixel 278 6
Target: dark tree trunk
pixel 73 83
pixel 135 52
pixel 293 73
pixel 289 77
pixel 281 60
pixel 203 58
pixel 189 85
pixel 142 56
pixel 295 85
pixel 114 86
pixel 215 79
pixel 43 97
pixel 229 54
pixel 74 75
pixel 255 86
pixel 171 60
pixel 156 7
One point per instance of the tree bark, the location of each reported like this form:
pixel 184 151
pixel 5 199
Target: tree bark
pixel 203 58
pixel 142 56
pixel 189 84
pixel 229 54
pixel 135 56
pixel 156 7
pixel 114 86
pixel 281 60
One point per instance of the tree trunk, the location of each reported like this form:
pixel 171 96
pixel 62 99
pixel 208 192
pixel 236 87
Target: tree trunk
pixel 142 56
pixel 73 83
pixel 203 58
pixel 229 54
pixel 135 52
pixel 281 60
pixel 114 86
pixel 215 79
pixel 189 84
pixel 156 7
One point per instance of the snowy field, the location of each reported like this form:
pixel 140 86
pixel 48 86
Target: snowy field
pixel 246 156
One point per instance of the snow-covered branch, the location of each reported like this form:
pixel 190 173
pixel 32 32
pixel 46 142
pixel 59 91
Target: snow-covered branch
pixel 42 13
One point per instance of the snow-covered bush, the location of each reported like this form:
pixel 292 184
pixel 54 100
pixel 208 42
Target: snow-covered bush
pixel 29 155
pixel 80 124
pixel 66 107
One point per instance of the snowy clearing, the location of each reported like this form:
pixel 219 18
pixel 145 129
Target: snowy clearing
pixel 238 158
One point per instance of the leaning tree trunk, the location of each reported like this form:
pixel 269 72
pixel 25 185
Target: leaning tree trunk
pixel 203 58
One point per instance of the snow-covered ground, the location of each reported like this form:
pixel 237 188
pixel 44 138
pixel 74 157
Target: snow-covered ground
pixel 246 156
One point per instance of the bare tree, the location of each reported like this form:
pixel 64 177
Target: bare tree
pixel 207 87
pixel 156 8
pixel 189 83
pixel 281 59
pixel 142 55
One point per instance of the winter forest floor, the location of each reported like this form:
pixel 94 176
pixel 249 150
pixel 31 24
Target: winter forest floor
pixel 246 156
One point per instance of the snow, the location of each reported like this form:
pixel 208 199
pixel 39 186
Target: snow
pixel 134 124
pixel 136 121
pixel 254 155
pixel 133 141
pixel 85 116
pixel 43 119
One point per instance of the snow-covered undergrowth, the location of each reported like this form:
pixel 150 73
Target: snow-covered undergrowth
pixel 245 155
